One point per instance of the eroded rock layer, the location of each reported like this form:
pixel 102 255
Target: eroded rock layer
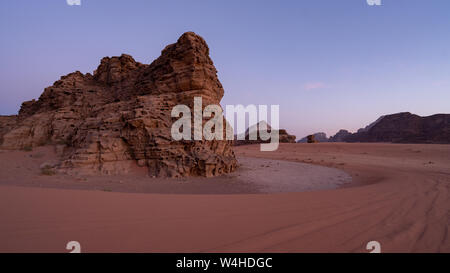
pixel 121 115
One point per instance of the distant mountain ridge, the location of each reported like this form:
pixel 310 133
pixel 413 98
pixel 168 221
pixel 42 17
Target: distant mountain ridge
pixel 368 127
pixel 406 128
pixel 396 128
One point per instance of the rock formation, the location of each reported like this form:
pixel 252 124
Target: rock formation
pixel 340 136
pixel 368 127
pixel 396 128
pixel 311 139
pixel 284 136
pixel 319 137
pixel 406 128
pixel 121 116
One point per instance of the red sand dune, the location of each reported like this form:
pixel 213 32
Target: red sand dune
pixel 400 197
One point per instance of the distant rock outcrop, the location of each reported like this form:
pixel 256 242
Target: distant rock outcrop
pixel 396 128
pixel 406 128
pixel 121 115
pixel 318 137
pixel 340 136
pixel 284 136
pixel 311 139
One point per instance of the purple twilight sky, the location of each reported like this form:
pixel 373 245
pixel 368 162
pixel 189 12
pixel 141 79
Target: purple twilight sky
pixel 328 64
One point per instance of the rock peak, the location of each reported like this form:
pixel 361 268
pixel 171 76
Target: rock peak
pixel 192 38
pixel 188 43
pixel 114 69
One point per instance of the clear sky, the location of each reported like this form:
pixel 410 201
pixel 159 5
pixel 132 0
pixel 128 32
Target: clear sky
pixel 329 64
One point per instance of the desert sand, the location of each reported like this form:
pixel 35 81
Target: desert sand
pixel 398 195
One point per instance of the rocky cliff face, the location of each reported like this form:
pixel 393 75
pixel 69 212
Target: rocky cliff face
pixel 121 116
pixel 406 128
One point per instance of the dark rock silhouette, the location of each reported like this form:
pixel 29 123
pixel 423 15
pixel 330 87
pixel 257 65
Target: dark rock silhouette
pixel 406 128
pixel 311 139
pixel 319 137
pixel 340 136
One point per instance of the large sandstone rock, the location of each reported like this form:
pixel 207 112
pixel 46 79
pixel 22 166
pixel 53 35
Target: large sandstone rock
pixel 121 115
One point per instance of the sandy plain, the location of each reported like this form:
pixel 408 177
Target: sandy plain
pixel 325 197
